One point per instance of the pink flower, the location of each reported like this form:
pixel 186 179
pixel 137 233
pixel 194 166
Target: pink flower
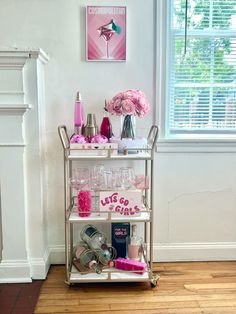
pixel 128 107
pixel 117 107
pixel 109 106
pixel 130 102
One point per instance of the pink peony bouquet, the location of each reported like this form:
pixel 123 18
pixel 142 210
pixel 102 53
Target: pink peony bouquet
pixel 131 102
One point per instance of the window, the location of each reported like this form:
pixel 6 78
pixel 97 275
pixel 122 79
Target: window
pixel 202 79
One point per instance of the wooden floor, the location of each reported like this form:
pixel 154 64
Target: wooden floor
pixel 184 288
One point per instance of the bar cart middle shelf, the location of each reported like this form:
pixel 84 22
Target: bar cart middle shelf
pixel 145 216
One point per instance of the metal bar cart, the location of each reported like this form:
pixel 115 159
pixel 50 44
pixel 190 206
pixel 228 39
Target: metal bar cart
pixel 145 154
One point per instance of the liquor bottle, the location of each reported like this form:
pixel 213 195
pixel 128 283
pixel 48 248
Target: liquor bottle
pixel 78 114
pixel 93 237
pixel 106 256
pixel 135 245
pixel 106 127
pixel 85 259
pixel 96 241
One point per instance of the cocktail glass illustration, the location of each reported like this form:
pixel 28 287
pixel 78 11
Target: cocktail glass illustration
pixel 107 31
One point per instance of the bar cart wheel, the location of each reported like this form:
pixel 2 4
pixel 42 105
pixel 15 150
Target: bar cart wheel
pixel 69 284
pixel 154 280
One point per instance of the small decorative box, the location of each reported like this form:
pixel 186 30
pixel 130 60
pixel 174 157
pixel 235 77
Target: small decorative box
pixel 123 202
pixel 120 231
pixel 93 149
pixel 130 144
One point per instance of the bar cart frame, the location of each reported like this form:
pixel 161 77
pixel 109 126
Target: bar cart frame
pixel 71 217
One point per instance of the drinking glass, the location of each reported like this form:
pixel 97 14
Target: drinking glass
pixel 97 177
pixel 127 177
pixel 116 178
pixel 97 182
pixel 108 180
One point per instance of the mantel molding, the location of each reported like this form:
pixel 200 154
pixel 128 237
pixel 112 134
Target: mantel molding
pixel 39 54
pixel 16 58
pixel 14 109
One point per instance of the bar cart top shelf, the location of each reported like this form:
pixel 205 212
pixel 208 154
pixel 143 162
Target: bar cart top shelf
pixel 144 153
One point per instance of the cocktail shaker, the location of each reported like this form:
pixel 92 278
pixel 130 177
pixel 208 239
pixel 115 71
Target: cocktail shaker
pixel 91 127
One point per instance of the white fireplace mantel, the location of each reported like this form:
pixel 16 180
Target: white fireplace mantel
pixel 23 241
pixel 15 59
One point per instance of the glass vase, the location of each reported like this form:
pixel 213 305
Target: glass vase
pixel 128 126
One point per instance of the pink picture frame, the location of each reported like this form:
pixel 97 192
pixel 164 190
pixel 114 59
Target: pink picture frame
pixel 106 33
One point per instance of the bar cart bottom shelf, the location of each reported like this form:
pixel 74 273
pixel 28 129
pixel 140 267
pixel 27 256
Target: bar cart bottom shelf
pixel 109 275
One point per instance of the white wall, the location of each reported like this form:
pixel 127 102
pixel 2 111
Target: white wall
pixel 195 192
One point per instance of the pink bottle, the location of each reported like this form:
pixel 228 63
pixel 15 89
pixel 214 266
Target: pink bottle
pixel 78 114
pixel 106 128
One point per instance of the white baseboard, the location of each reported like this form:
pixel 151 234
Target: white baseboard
pixel 57 254
pixel 174 252
pixel 14 271
pixel 37 268
pixel 40 266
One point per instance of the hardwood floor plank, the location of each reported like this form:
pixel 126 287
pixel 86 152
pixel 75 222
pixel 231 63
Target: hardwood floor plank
pixel 154 305
pixel 184 288
pixel 73 309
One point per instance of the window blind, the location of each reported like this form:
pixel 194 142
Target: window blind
pixel 202 80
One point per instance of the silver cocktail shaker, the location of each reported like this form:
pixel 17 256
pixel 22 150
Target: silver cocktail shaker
pixel 91 127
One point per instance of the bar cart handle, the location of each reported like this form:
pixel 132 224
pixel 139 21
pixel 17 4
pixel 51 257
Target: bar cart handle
pixel 62 130
pixel 152 136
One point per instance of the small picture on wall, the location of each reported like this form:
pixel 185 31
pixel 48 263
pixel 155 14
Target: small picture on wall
pixel 106 33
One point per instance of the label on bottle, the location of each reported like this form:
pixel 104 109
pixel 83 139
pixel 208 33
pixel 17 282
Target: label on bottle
pixel 90 231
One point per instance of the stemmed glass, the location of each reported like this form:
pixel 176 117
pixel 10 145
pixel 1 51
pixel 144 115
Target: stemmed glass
pixel 141 182
pixel 80 178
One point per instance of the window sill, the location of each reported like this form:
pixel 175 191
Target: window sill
pixel 198 145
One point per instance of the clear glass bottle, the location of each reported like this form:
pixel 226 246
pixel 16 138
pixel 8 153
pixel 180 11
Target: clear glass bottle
pixel 135 244
pixel 85 260
pixel 106 256
pixel 96 241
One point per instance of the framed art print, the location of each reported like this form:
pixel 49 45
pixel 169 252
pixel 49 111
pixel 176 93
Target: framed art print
pixel 106 33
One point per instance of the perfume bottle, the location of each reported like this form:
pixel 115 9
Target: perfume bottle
pixel 106 127
pixel 135 244
pixel 85 259
pixel 78 114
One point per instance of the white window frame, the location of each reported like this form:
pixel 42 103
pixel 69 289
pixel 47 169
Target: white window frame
pixel 177 142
